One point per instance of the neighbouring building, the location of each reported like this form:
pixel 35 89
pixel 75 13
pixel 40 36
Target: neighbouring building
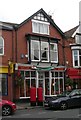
pixel 73 55
pixel 36 53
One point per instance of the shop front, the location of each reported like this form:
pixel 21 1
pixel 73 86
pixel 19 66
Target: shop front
pixel 51 80
pixel 6 84
pixel 75 75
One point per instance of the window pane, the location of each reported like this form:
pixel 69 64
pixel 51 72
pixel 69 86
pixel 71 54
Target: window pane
pixel 35 50
pixel 33 82
pixel 38 27
pixel 1 45
pixel 60 74
pixel 1 50
pixel 44 51
pixel 56 86
pixel 47 87
pixel 75 52
pixel 79 52
pixel 35 27
pixel 27 74
pixel 53 52
pixel 75 55
pixel 27 87
pixel 41 28
pixel 56 74
pixel 80 60
pixel 33 73
pixel 76 60
pixel 52 87
pixel 46 74
pixel 4 84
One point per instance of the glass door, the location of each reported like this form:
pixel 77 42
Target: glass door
pixel 40 79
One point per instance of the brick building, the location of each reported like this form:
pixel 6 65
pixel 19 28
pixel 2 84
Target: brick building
pixel 33 53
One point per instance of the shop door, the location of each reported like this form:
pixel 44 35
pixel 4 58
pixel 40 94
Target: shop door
pixel 40 79
pixel 44 82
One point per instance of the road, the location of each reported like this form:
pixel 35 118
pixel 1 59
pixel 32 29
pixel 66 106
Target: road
pixel 46 114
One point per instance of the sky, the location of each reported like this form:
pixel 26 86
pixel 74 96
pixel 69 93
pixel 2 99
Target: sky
pixel 64 12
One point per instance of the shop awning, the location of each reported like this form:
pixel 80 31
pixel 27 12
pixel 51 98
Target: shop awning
pixel 73 73
pixel 75 77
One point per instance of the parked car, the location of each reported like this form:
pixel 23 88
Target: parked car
pixel 73 99
pixel 7 107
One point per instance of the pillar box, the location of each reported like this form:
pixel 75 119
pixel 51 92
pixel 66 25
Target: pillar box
pixel 40 96
pixel 33 96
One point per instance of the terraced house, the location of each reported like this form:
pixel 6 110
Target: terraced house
pixel 37 53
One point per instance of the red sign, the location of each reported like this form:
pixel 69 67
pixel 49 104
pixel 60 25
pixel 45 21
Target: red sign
pixel 24 67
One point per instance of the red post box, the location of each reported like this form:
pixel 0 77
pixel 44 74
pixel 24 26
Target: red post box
pixel 40 96
pixel 33 96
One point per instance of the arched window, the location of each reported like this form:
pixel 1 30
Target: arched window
pixel 1 46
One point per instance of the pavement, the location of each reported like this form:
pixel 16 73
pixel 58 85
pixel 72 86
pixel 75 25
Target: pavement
pixel 21 106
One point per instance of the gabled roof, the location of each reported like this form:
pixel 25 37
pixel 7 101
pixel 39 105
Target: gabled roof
pixel 70 32
pixel 47 16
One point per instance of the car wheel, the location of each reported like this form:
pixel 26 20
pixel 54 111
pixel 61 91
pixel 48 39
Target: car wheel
pixel 6 110
pixel 63 105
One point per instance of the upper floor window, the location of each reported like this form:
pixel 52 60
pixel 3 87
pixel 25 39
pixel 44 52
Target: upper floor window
pixel 35 50
pixel 53 52
pixel 78 39
pixel 42 50
pixel 77 58
pixel 40 27
pixel 1 46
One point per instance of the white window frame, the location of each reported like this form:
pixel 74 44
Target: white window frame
pixel 46 51
pixel 55 51
pixel 74 58
pixel 78 39
pixel 2 45
pixel 33 50
pixel 38 27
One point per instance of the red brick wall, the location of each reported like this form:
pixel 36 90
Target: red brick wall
pixel 22 42
pixel 7 35
pixel 8 52
pixel 68 52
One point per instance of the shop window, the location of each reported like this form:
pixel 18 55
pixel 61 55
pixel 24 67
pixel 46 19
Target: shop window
pixel 29 81
pixel 33 73
pixel 27 87
pixel 3 84
pixel 1 46
pixel 60 74
pixel 52 87
pixel 33 83
pixel 57 82
pixel 27 74
pixel 56 74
